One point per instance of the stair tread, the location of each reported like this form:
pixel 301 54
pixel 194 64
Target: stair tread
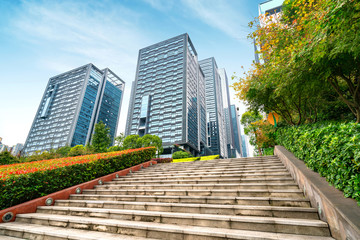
pixel 185 229
pixel 9 238
pixel 221 180
pixel 210 197
pixel 196 190
pixel 65 232
pixel 253 219
pixel 209 184
pixel 277 208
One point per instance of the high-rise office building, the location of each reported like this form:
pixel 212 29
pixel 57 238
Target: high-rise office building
pixel 214 107
pixel 231 150
pixel 168 95
pixel 16 149
pixel 270 7
pixel 236 128
pixel 244 146
pixel 71 105
pixel 4 147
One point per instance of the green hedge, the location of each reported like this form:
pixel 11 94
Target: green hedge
pixel 331 149
pixel 21 188
pixel 180 154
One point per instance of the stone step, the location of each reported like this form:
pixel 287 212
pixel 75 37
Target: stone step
pixel 292 193
pixel 209 177
pixel 220 165
pixel 10 238
pixel 236 166
pixel 239 160
pixel 265 211
pixel 149 222
pixel 215 181
pixel 258 201
pixel 34 231
pixel 117 185
pixel 223 173
pixel 159 171
pixel 192 219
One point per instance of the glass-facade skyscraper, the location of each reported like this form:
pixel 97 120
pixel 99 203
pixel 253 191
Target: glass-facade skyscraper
pixel 168 95
pixel 231 150
pixel 214 108
pixel 71 105
pixel 236 128
pixel 244 146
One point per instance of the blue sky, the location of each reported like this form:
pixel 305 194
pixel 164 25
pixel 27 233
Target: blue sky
pixel 40 39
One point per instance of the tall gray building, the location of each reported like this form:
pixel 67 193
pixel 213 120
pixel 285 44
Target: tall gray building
pixel 231 150
pixel 168 95
pixel 244 146
pixel 16 149
pixel 71 105
pixel 236 128
pixel 214 107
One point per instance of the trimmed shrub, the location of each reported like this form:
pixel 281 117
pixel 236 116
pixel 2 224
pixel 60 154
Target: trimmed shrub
pixel 163 160
pixel 180 154
pixel 26 181
pixel 331 149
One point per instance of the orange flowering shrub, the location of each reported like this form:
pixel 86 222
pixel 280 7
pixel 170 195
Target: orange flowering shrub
pixel 23 168
pixel 26 181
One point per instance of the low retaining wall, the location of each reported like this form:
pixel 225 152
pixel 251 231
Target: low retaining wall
pixel 31 206
pixel 342 214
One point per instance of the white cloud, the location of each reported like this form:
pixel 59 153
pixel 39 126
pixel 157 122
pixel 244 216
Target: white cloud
pixel 220 15
pixel 161 5
pixel 68 34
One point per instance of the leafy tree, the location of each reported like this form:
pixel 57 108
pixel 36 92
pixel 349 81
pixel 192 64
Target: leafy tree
pixel 152 140
pixel 114 149
pixel 89 149
pixel 249 120
pixel 63 151
pixel 119 140
pixel 77 150
pixel 7 158
pixel 101 137
pixel 132 142
pixel 310 60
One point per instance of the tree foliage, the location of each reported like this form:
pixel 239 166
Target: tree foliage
pixel 152 140
pixel 135 141
pixel 119 140
pixel 310 60
pixel 7 158
pixel 259 131
pixel 101 137
pixel 132 141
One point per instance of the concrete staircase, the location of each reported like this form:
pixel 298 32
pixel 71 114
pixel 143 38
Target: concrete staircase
pixel 247 198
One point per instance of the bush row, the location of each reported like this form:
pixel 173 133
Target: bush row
pixel 331 149
pixel 22 187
